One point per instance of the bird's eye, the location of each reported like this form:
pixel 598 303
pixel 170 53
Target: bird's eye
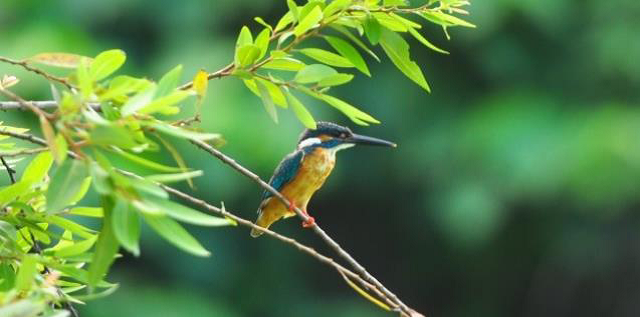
pixel 343 135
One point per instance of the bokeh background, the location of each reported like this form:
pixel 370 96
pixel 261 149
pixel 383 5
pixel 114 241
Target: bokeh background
pixel 513 192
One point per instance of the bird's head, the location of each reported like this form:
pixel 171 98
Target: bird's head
pixel 334 137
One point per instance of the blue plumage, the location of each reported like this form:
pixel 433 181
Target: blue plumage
pixel 285 172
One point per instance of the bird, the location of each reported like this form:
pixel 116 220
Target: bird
pixel 301 173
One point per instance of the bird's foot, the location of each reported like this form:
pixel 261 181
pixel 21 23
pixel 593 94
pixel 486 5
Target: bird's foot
pixel 292 206
pixel 309 222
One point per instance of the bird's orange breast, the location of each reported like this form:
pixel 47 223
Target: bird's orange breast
pixel 314 170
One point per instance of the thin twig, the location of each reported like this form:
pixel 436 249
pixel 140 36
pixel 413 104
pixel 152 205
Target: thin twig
pixel 38 71
pixel 24 103
pixel 24 152
pixel 332 243
pixel 44 104
pixel 10 170
pixel 306 249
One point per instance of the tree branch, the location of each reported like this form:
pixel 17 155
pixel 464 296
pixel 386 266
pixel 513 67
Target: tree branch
pixel 38 71
pixel 332 243
pixel 223 212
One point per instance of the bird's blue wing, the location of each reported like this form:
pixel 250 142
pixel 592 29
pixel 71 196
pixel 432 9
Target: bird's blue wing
pixel 285 172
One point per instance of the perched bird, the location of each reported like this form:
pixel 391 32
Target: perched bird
pixel 302 173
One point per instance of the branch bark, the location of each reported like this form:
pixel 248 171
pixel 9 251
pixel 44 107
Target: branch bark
pixel 328 240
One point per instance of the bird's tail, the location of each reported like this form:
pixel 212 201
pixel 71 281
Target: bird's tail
pixel 263 221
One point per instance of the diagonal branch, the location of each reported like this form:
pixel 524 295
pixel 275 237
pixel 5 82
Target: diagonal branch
pixel 332 243
pixel 223 212
pixel 38 71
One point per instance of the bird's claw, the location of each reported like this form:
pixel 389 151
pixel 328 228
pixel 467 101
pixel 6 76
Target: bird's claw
pixel 309 222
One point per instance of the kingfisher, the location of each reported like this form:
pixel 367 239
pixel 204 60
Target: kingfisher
pixel 301 173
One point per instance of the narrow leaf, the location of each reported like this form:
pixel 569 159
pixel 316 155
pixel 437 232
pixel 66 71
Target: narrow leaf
pixel 267 101
pixel 246 55
pixel 174 233
pixel 349 52
pixel 106 247
pixel 355 40
pixel 168 82
pixel 424 41
pixel 183 133
pixel 126 226
pixel 326 57
pixel 398 51
pixel 285 63
pixel 309 21
pixel 293 8
pixel 335 80
pixel 26 273
pixel 314 73
pixel 244 38
pixel 185 214
pixel 262 42
pixel 301 112
pixel 372 29
pixel 145 162
pixel 172 178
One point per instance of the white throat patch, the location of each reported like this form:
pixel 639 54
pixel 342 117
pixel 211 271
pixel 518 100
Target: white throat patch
pixel 342 147
pixel 308 142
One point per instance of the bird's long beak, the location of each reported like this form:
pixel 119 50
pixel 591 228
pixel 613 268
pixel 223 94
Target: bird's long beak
pixel 367 140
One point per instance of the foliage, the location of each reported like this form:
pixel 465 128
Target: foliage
pixel 103 117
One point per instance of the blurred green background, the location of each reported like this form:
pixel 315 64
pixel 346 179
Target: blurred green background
pixel 513 192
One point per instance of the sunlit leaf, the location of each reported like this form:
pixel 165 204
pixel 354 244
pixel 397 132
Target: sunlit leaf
pixel 112 134
pixel 184 213
pixel 244 38
pixel 173 232
pixel 183 133
pixel 267 101
pixel 138 101
pixel 398 51
pixel 349 52
pixel 165 102
pixel 94 212
pixel 285 63
pixel 106 63
pixel 123 85
pixel 326 57
pixel 444 19
pixel 426 42
pixel 284 22
pixel 144 162
pixel 335 6
pixel 355 40
pixel 26 273
pixel 293 8
pixel 372 29
pixel 168 82
pixel 246 55
pixel 335 80
pixel 314 73
pixel 309 21
pixel 71 226
pixel 61 148
pixel 301 112
pixel 262 42
pixel 76 248
pixel 171 178
pixel 263 23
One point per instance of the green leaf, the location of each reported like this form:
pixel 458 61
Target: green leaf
pixel 335 6
pixel 171 178
pixel 145 162
pixel 62 148
pixel 246 55
pixel 244 38
pixel 178 158
pixel 301 112
pixel 372 29
pixel 424 41
pixel 95 212
pixel 314 73
pixel 163 103
pixel 326 57
pixel 65 185
pixel 355 40
pixel 265 24
pixel 168 82
pixel 293 8
pixel 398 51
pixel 284 22
pixel 350 111
pixel 335 80
pixel 84 187
pixel 444 19
pixel 309 21
pixel 185 214
pixel 112 134
pixel 106 247
pixel 7 277
pixel 262 42
pixel 101 180
pixel 349 52
pixel 138 101
pixel 26 273
pixel 37 168
pixel 126 226
pixel 183 133
pixel 285 63
pixel 386 20
pixel 174 233
pixel 123 85
pixel 395 3
pixel 275 92
pixel 85 82
pixel 106 63
pixel 267 101
pixel 71 226
pixel 75 248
